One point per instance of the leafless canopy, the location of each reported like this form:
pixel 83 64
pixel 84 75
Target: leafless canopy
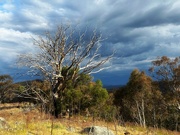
pixel 68 48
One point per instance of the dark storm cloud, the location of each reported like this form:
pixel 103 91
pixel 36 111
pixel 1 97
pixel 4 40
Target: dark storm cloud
pixel 159 15
pixel 133 50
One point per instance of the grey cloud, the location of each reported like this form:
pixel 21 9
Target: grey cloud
pixel 138 31
pixel 132 49
pixel 161 14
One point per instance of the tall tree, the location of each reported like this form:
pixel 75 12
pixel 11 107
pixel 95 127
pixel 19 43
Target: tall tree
pixel 140 90
pixel 167 71
pixel 69 48
pixel 137 99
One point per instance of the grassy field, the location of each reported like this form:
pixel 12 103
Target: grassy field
pixel 19 121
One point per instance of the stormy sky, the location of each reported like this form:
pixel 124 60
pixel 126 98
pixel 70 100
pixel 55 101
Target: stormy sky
pixel 138 30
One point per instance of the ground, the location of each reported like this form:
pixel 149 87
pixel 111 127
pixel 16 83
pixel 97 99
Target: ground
pixel 20 120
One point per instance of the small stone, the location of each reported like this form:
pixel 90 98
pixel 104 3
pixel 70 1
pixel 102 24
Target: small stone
pixel 97 130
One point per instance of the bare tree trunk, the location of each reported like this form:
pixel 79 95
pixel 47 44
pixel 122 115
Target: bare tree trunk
pixel 55 107
pixel 143 114
pixel 55 88
pixel 154 117
pixel 139 113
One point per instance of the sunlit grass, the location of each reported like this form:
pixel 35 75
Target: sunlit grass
pixel 42 127
pixel 36 123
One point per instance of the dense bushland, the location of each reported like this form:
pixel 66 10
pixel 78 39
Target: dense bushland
pixel 141 101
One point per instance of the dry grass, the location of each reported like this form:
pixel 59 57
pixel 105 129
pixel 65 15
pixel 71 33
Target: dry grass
pixel 21 122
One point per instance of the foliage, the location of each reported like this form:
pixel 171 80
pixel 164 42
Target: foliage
pixel 167 71
pixel 87 95
pixel 138 100
pixel 98 94
pixel 144 101
pixel 6 86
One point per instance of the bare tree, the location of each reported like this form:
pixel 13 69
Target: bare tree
pixel 62 56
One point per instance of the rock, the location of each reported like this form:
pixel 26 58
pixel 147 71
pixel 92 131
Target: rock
pixel 97 130
pixel 3 123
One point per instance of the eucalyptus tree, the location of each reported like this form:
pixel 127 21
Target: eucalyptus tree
pixel 139 100
pixel 167 71
pixel 64 55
